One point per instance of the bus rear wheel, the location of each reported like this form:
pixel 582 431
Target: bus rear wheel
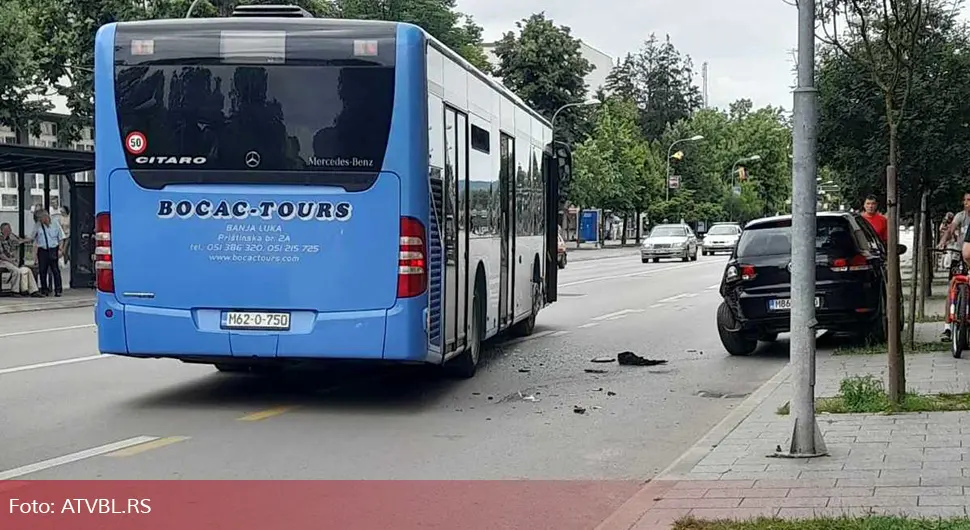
pixel 465 365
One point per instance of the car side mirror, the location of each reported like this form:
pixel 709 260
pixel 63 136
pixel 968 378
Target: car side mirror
pixel 901 249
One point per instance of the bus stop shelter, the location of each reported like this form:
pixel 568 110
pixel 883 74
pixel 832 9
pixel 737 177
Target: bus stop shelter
pixel 24 160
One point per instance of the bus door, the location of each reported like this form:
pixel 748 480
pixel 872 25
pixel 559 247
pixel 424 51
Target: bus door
pixel 456 181
pixel 505 180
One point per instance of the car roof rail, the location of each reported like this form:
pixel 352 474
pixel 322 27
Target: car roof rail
pixel 257 10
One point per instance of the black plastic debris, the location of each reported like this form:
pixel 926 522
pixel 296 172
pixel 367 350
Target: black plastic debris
pixel 611 393
pixel 628 358
pixel 524 370
pixel 579 410
pixel 594 371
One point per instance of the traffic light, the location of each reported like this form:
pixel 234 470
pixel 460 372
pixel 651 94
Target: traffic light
pixel 742 174
pixel 679 155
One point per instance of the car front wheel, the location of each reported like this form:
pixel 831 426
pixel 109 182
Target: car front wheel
pixel 735 340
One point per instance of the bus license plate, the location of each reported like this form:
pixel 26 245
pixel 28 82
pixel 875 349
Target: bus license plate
pixel 784 304
pixel 257 320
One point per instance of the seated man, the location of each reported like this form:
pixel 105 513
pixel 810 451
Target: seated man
pixel 21 278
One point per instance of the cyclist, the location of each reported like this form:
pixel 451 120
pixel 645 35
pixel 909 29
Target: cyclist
pixel 960 225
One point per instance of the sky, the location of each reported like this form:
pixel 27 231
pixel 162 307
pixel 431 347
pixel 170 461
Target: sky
pixel 748 44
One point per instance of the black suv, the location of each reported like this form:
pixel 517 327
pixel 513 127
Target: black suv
pixel 850 281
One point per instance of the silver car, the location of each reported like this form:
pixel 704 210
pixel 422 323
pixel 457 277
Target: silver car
pixel 670 241
pixel 722 237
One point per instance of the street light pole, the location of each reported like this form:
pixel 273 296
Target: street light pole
pixel 670 151
pixel 806 439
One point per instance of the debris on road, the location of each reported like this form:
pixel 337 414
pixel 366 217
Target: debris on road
pixel 628 358
pixel 594 371
pixel 611 393
pixel 579 410
pixel 528 398
pixel 603 360
pixel 524 370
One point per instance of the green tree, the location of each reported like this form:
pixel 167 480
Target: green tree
pixel 934 143
pixel 661 81
pixel 610 163
pixel 757 140
pixel 21 83
pixel 543 65
pixel 884 38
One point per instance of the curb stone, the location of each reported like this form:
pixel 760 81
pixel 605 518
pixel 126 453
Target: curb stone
pixel 30 307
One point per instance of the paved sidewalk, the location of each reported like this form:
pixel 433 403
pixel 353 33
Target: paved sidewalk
pixel 915 464
pixel 72 298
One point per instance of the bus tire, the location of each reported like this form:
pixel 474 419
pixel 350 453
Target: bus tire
pixel 465 365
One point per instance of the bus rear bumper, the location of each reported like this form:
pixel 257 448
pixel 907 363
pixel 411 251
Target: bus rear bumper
pixel 395 335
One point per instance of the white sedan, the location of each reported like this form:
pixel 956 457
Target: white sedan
pixel 721 238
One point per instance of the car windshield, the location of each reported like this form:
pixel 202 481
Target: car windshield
pixel 833 236
pixel 668 231
pixel 723 230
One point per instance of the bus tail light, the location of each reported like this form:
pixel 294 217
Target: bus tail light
pixel 412 272
pixel 103 264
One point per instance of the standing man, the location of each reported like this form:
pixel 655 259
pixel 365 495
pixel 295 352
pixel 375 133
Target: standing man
pixel 49 241
pixel 877 220
pixel 953 237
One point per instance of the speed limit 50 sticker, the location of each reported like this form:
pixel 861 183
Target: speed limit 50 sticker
pixel 135 143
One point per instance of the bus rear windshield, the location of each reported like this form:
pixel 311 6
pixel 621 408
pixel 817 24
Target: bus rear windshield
pixel 254 118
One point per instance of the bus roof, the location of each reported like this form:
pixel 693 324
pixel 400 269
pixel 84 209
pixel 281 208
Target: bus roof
pixel 183 23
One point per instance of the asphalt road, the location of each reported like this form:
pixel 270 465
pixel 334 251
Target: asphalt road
pixel 71 414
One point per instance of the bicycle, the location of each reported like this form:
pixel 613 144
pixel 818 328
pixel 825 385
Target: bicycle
pixel 958 308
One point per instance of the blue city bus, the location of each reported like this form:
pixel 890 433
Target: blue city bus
pixel 274 189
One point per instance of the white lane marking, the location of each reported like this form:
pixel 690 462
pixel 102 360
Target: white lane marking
pixel 590 325
pixel 672 298
pixel 655 306
pixel 37 366
pixel 559 333
pixel 715 286
pixel 691 295
pixel 623 313
pixel 632 274
pixel 46 330
pixel 74 457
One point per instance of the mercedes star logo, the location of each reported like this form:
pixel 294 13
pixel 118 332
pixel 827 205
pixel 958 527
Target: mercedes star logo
pixel 252 159
pixel 789 267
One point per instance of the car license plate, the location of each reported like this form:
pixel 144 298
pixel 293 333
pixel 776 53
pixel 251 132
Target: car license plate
pixel 256 320
pixel 784 304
